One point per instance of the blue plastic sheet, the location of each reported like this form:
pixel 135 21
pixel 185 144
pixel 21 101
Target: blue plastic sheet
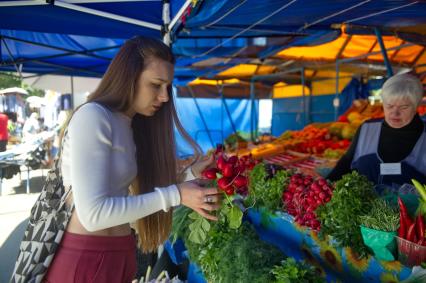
pixel 218 123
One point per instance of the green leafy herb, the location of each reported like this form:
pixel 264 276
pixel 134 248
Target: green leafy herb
pixel 291 271
pixel 235 255
pixel 180 223
pixel 265 190
pixel 199 228
pixel 382 216
pixel 235 217
pixel 340 217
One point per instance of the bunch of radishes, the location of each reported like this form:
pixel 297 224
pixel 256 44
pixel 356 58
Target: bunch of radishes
pixel 302 197
pixel 230 172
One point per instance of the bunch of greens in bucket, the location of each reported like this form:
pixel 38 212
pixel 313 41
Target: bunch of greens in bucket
pixel 291 271
pixel 266 185
pixel 340 217
pixel 382 216
pixel 378 229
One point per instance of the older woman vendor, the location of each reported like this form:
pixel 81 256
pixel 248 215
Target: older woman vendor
pixel 390 151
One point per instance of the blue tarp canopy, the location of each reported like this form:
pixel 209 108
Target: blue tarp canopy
pixel 79 37
pixel 229 18
pixel 76 37
pixel 111 19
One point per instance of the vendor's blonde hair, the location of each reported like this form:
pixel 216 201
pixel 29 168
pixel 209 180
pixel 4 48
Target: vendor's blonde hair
pixel 403 86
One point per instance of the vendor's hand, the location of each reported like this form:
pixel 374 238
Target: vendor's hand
pixel 200 199
pixel 205 162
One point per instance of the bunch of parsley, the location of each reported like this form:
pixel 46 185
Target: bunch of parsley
pixel 291 271
pixel 266 191
pixel 340 217
pixel 239 255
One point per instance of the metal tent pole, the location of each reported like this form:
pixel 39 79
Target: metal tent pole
pixel 228 113
pixel 166 22
pixel 305 112
pixel 336 99
pixel 201 115
pixel 252 126
pixel 384 52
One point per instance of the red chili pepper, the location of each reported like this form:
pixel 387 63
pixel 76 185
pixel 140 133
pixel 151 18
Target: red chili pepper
pixel 420 227
pixel 411 232
pixel 402 230
pixel 404 214
pixel 402 207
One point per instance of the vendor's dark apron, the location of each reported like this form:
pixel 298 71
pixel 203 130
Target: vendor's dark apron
pixel 367 160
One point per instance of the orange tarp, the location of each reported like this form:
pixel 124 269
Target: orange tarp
pixel 356 46
pixel 282 90
pixel 244 70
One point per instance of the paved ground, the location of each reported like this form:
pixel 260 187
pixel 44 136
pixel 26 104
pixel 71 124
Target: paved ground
pixel 15 206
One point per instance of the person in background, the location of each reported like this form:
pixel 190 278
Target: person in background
pixel 390 151
pixel 59 127
pixel 122 137
pixel 4 133
pixel 31 126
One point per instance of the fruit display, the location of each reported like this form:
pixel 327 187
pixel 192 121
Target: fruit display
pixel 235 141
pixel 360 111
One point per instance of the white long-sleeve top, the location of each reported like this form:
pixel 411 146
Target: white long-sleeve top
pixel 98 161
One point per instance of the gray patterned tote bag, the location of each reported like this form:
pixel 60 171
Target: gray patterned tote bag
pixel 48 221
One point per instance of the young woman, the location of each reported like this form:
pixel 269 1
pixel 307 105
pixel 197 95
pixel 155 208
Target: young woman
pixel 124 135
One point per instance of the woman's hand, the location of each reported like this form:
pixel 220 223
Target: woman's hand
pixel 204 163
pixel 199 199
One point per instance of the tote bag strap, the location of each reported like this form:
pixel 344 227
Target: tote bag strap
pixel 58 165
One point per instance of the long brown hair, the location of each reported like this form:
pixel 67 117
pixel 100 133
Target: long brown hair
pixel 154 136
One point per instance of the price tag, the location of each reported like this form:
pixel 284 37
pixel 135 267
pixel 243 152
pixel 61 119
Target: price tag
pixel 390 168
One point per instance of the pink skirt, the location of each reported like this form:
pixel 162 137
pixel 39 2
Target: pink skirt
pixel 87 259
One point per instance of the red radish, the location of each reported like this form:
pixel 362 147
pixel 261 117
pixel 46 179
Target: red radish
pixel 219 149
pixel 233 159
pixel 228 170
pixel 240 181
pixel 229 190
pixel 223 183
pixel 322 182
pixel 242 191
pixel 210 173
pixel 239 169
pixel 221 162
